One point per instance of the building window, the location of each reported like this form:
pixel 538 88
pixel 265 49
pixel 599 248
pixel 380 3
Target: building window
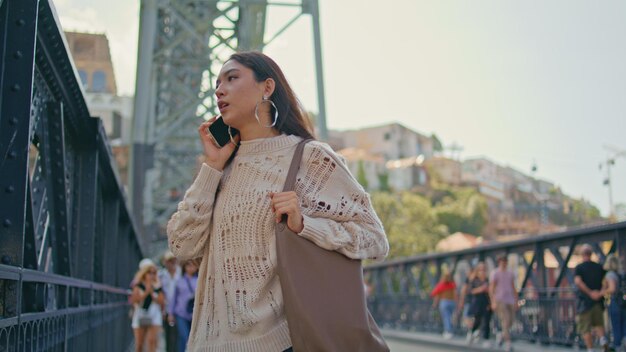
pixel 99 82
pixel 387 136
pixel 83 78
pixel 84 47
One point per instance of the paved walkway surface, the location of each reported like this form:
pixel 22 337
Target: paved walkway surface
pixel 405 341
pixel 459 344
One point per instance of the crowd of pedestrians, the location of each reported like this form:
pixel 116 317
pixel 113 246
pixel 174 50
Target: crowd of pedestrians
pixel 598 289
pixel 480 296
pixel 162 302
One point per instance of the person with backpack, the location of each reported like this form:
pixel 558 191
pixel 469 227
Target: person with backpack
pixel 180 309
pixel 589 303
pixel 615 288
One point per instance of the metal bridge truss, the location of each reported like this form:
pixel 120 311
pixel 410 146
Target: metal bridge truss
pixel 544 266
pixel 68 247
pixel 182 46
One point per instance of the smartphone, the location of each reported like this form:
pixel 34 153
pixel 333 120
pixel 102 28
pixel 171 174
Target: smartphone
pixel 219 132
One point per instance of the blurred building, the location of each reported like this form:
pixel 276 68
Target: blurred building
pixel 389 156
pixel 458 241
pixel 391 141
pixel 407 173
pixel 92 57
pixel 448 171
pixel 517 203
pixel 366 167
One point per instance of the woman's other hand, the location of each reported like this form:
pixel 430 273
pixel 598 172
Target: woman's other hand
pixel 287 203
pixel 215 156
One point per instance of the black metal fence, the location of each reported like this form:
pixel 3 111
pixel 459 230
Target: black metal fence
pixel 68 247
pixel 543 266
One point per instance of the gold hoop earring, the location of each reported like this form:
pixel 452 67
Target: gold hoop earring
pixel 256 112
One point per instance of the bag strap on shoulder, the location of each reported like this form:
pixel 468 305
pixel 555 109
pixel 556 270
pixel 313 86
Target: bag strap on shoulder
pixel 295 166
pixel 188 283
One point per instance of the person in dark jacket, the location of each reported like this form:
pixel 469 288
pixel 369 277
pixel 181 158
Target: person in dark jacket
pixel 589 299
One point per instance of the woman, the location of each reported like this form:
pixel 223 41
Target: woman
pixel 147 299
pixel 466 303
pixel 445 298
pixel 616 312
pixel 481 306
pixel 228 215
pixel 180 307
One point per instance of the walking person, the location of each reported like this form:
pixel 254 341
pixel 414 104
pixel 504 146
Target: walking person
pixel 147 298
pixel 168 276
pixel 504 298
pixel 180 309
pixel 465 304
pixel 481 307
pixel 445 298
pixel 589 299
pixel 229 214
pixel 617 312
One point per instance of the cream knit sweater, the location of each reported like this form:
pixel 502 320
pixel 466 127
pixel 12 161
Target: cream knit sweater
pixel 226 218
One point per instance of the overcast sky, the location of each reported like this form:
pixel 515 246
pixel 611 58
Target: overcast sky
pixel 514 81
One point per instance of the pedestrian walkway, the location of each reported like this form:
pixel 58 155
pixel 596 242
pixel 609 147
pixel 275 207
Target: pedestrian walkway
pixel 458 343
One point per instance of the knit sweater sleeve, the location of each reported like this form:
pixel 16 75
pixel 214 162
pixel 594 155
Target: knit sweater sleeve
pixel 338 214
pixel 188 228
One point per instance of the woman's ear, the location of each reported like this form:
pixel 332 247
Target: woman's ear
pixel 268 89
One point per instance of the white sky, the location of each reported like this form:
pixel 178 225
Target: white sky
pixel 514 81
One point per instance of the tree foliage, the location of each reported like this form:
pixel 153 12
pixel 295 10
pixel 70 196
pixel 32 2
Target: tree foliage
pixel 462 209
pixel 409 222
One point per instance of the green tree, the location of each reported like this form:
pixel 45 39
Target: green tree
pixel 383 181
pixel 411 226
pixel 461 209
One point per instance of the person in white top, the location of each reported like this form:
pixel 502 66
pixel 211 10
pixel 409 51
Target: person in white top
pixel 228 215
pixel 168 277
pixel 148 299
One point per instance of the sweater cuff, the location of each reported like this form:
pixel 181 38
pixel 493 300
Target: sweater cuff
pixel 310 232
pixel 208 179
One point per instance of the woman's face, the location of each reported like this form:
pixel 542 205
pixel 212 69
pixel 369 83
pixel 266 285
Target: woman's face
pixel 480 271
pixel 237 94
pixel 151 274
pixel 191 268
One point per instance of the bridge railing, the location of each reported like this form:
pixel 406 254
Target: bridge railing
pixel 68 246
pixel 544 265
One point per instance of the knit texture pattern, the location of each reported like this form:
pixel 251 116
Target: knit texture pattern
pixel 226 219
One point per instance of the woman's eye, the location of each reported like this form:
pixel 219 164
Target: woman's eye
pixel 231 78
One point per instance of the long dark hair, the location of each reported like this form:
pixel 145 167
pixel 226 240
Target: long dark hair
pixel 291 116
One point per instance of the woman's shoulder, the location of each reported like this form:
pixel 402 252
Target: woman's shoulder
pixel 318 151
pixel 315 145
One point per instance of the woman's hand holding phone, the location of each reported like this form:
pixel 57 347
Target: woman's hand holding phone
pixel 214 156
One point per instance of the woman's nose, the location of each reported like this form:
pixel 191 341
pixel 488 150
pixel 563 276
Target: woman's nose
pixel 218 91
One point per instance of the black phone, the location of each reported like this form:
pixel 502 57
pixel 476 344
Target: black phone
pixel 219 131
